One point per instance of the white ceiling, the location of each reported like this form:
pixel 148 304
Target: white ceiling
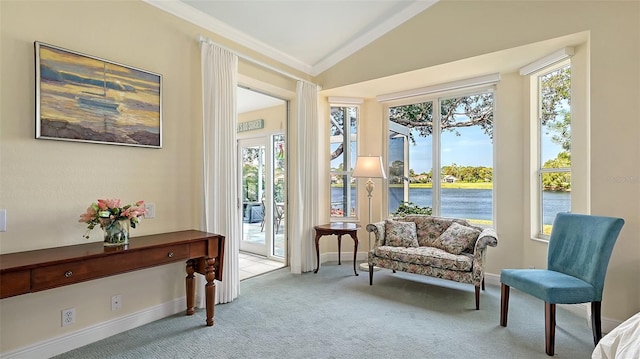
pixel 313 35
pixel 249 100
pixel 308 35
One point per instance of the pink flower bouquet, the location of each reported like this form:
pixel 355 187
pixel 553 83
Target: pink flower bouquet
pixel 107 211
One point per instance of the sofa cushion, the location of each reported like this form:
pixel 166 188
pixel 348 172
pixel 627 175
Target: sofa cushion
pixel 428 228
pixel 456 238
pixel 400 234
pixel 427 256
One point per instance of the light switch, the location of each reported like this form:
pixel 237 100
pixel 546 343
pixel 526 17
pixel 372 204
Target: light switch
pixel 151 210
pixel 3 220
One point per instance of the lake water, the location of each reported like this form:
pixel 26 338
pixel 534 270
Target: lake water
pixel 468 203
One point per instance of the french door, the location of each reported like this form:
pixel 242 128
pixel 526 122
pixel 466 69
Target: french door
pixel 262 193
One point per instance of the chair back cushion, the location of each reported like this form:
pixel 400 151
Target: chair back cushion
pixel 581 245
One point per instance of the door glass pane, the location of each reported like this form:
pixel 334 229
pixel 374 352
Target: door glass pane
pixel 279 187
pixel 253 191
pixel 466 152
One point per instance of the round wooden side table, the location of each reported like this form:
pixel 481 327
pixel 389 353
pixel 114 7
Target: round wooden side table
pixel 339 229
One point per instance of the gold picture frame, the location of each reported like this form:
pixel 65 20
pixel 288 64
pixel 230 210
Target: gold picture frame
pixel 88 99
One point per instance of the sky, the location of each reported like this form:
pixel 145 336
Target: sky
pixel 472 148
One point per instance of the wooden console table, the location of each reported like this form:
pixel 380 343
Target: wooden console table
pixel 34 271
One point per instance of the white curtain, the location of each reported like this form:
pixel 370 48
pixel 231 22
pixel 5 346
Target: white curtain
pixel 220 162
pixel 305 199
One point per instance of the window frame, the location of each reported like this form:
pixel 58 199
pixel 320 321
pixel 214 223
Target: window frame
pixel 348 137
pixel 536 78
pixel 436 150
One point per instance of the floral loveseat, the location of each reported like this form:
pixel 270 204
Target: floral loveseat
pixel 446 248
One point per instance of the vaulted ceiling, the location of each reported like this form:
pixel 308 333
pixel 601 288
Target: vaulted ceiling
pixel 313 35
pixel 308 35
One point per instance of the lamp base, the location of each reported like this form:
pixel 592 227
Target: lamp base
pixel 364 266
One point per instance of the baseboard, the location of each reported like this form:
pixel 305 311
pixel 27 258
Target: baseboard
pixel 85 336
pixel 344 257
pixel 493 279
pixel 82 337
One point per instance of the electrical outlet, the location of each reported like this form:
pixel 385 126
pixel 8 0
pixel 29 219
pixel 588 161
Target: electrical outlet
pixel 116 302
pixel 3 220
pixel 68 316
pixel 151 210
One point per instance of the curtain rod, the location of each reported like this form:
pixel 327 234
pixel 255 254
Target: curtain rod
pixel 252 60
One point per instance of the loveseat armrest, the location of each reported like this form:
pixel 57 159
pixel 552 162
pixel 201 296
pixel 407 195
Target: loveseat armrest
pixel 378 229
pixel 488 237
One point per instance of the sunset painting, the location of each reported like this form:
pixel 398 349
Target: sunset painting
pixel 85 98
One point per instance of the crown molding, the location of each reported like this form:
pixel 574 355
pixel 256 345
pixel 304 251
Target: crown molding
pixel 365 39
pixel 197 17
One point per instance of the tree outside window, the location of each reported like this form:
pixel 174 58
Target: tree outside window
pixel 343 145
pixel 554 91
pixel 462 186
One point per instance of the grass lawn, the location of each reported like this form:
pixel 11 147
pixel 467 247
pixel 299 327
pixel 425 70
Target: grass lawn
pixel 458 185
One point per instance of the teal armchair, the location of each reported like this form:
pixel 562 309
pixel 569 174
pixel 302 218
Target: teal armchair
pixel 578 255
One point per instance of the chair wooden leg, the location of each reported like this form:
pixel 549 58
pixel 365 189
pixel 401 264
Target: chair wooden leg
pixel 370 274
pixel 550 327
pixel 477 297
pixel 596 324
pixel 504 304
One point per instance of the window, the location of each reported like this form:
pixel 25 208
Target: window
pixel 343 146
pixel 454 135
pixel 554 133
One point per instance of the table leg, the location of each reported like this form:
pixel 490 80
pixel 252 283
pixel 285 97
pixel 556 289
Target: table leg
pixel 355 251
pixel 339 246
pixel 317 252
pixel 191 289
pixel 210 290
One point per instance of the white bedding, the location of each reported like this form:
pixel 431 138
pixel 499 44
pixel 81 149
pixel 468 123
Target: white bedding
pixel 622 342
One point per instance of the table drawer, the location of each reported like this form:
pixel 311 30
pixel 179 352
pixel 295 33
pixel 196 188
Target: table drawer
pixel 82 270
pixel 15 283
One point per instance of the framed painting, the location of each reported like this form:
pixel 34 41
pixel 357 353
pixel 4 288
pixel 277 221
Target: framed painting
pixel 89 99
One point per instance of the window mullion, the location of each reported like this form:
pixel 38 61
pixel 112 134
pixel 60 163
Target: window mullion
pixel 346 143
pixel 436 170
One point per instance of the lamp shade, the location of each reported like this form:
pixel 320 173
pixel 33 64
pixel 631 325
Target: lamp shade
pixel 369 167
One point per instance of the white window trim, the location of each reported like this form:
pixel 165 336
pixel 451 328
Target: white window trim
pixel 440 89
pixel 561 58
pixel 355 103
pixel 435 93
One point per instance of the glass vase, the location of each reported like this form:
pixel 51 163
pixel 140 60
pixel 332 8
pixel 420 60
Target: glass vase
pixel 116 233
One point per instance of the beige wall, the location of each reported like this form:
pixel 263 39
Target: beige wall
pixel 608 169
pixel 45 185
pixel 275 120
